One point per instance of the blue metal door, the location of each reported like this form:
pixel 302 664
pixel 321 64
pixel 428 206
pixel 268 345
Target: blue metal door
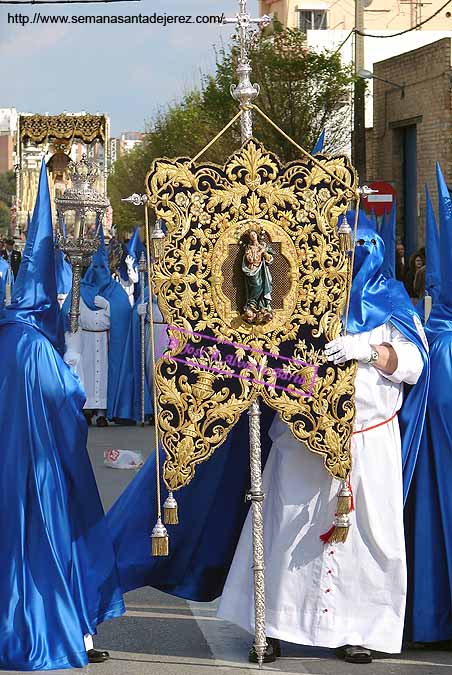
pixel 410 189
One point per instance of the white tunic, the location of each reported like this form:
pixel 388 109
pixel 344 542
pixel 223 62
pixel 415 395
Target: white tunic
pixel 94 355
pixel 333 595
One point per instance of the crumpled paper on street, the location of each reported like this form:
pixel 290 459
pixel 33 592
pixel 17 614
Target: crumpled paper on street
pixel 123 459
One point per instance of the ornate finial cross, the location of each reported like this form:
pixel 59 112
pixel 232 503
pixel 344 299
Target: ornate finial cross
pixel 245 92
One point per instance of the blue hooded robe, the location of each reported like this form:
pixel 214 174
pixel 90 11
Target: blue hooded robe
pixel 429 613
pixel 58 575
pixel 388 234
pixel 212 508
pixel 63 273
pixel 98 281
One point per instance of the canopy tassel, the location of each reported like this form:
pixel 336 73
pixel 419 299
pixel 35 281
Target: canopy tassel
pixel 159 538
pixel 345 236
pixel 170 515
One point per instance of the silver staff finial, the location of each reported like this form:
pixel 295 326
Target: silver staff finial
pixel 136 199
pixel 245 92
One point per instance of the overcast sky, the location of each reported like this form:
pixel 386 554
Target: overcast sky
pixel 127 71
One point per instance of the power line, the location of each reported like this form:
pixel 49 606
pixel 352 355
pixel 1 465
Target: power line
pixel 408 30
pixel 344 41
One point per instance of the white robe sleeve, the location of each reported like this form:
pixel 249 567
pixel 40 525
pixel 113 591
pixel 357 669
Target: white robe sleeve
pixel 409 359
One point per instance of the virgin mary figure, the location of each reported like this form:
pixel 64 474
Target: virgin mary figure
pixel 258 279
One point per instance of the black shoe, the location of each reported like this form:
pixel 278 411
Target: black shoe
pixel 271 653
pixel 101 421
pixel 356 654
pixel 441 646
pixel 97 656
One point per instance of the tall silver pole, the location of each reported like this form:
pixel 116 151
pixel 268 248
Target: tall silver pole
pixel 142 271
pixel 245 93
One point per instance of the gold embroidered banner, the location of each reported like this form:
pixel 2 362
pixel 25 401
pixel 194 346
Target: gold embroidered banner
pixel 252 282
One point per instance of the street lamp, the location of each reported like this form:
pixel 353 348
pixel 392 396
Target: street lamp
pixel 80 211
pixel 368 75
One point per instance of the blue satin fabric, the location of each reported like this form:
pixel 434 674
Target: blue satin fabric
pixel 388 234
pixel 320 142
pixel 429 518
pixel 34 296
pixel 3 278
pixel 445 219
pixel 370 298
pixel 63 272
pixel 212 511
pixel 432 263
pixel 58 577
pixel 412 414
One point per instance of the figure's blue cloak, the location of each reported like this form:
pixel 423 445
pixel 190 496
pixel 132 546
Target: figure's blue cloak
pixel 428 522
pixel 388 234
pixel 432 262
pixel 63 272
pixel 58 576
pixel 212 509
pixel 98 281
pixel 130 373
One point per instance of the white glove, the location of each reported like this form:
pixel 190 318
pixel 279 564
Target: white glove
pixel 142 309
pixel 130 260
pixel 72 359
pixel 349 347
pixel 73 342
pixel 101 302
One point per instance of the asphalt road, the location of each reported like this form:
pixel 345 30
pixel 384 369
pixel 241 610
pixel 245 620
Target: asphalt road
pixel 162 635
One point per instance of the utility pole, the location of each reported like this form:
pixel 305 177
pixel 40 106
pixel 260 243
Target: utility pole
pixel 359 130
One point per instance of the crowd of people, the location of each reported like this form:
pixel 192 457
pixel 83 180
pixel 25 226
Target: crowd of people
pixel 412 272
pixel 65 566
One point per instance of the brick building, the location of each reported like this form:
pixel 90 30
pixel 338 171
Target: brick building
pixel 412 130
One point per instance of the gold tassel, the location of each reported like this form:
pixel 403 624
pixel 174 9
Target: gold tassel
pixel 170 516
pixel 345 236
pixel 338 533
pixel 159 538
pixel 344 500
pixel 345 241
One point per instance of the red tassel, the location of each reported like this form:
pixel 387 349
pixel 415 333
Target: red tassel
pixel 352 504
pixel 327 535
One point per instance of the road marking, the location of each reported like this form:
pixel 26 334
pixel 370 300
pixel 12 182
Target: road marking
pixel 165 615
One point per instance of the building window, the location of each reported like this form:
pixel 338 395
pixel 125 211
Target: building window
pixel 312 19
